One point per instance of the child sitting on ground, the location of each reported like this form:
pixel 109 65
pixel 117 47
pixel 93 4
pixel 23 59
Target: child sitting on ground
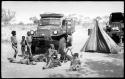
pixel 75 63
pixel 26 60
pixel 52 60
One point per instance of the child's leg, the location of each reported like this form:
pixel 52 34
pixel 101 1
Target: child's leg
pixel 23 50
pixel 29 50
pixel 49 63
pixel 16 51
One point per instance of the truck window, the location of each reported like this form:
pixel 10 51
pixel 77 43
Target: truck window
pixel 63 22
pixel 117 17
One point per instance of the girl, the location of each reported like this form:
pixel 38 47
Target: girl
pixel 23 45
pixel 14 43
pixel 75 63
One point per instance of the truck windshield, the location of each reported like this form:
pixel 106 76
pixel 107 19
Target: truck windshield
pixel 50 21
pixel 118 17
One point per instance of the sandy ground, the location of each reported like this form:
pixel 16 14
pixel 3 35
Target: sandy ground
pixel 93 64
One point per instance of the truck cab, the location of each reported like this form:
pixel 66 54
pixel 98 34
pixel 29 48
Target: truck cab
pixel 115 29
pixel 51 29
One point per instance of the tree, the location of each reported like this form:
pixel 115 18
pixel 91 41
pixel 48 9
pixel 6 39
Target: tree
pixel 98 18
pixel 7 16
pixel 21 23
pixel 75 18
pixel 106 19
pixel 34 19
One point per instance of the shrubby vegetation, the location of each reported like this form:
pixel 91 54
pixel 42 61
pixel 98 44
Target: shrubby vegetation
pixel 34 19
pixel 7 16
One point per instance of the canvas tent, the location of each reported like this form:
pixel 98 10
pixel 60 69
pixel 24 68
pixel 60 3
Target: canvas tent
pixel 99 41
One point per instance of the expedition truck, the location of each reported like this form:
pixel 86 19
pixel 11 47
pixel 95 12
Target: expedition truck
pixel 115 27
pixel 52 29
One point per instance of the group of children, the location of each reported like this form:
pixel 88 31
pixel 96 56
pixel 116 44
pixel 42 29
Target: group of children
pixel 25 46
pixel 52 59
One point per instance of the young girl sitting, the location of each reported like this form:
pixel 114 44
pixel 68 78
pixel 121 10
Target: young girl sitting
pixel 52 60
pixel 75 63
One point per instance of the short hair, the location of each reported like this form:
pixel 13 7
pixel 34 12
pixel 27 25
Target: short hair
pixel 28 33
pixel 13 32
pixel 52 46
pixel 23 36
pixel 76 55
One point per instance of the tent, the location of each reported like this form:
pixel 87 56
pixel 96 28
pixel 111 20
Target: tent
pixel 99 41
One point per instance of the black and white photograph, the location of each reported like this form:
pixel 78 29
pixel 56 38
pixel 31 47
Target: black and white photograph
pixel 62 39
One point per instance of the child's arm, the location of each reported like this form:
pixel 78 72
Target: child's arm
pixel 25 42
pixel 71 62
pixel 21 42
pixel 79 62
pixel 71 51
pixel 12 40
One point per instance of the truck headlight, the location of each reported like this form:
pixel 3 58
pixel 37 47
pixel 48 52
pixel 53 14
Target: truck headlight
pixel 31 32
pixel 55 32
pixel 43 34
pixel 69 26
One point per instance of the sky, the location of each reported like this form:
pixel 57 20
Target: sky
pixel 26 9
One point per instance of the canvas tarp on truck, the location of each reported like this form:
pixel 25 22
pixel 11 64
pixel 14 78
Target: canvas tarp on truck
pixel 99 41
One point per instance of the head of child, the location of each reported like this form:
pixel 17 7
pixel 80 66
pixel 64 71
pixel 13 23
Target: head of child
pixel 51 46
pixel 23 37
pixel 13 33
pixel 28 33
pixel 76 55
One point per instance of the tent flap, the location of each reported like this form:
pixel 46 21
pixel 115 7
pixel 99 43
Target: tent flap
pixel 100 41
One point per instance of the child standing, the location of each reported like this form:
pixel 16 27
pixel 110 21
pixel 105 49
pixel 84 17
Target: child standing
pixel 14 43
pixel 23 45
pixel 29 43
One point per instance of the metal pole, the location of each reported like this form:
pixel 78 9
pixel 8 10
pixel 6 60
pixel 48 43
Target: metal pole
pixel 66 34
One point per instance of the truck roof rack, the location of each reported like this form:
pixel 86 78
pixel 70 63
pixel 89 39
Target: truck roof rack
pixel 51 15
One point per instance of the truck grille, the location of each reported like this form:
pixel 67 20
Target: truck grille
pixel 46 32
pixel 116 25
pixel 38 38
